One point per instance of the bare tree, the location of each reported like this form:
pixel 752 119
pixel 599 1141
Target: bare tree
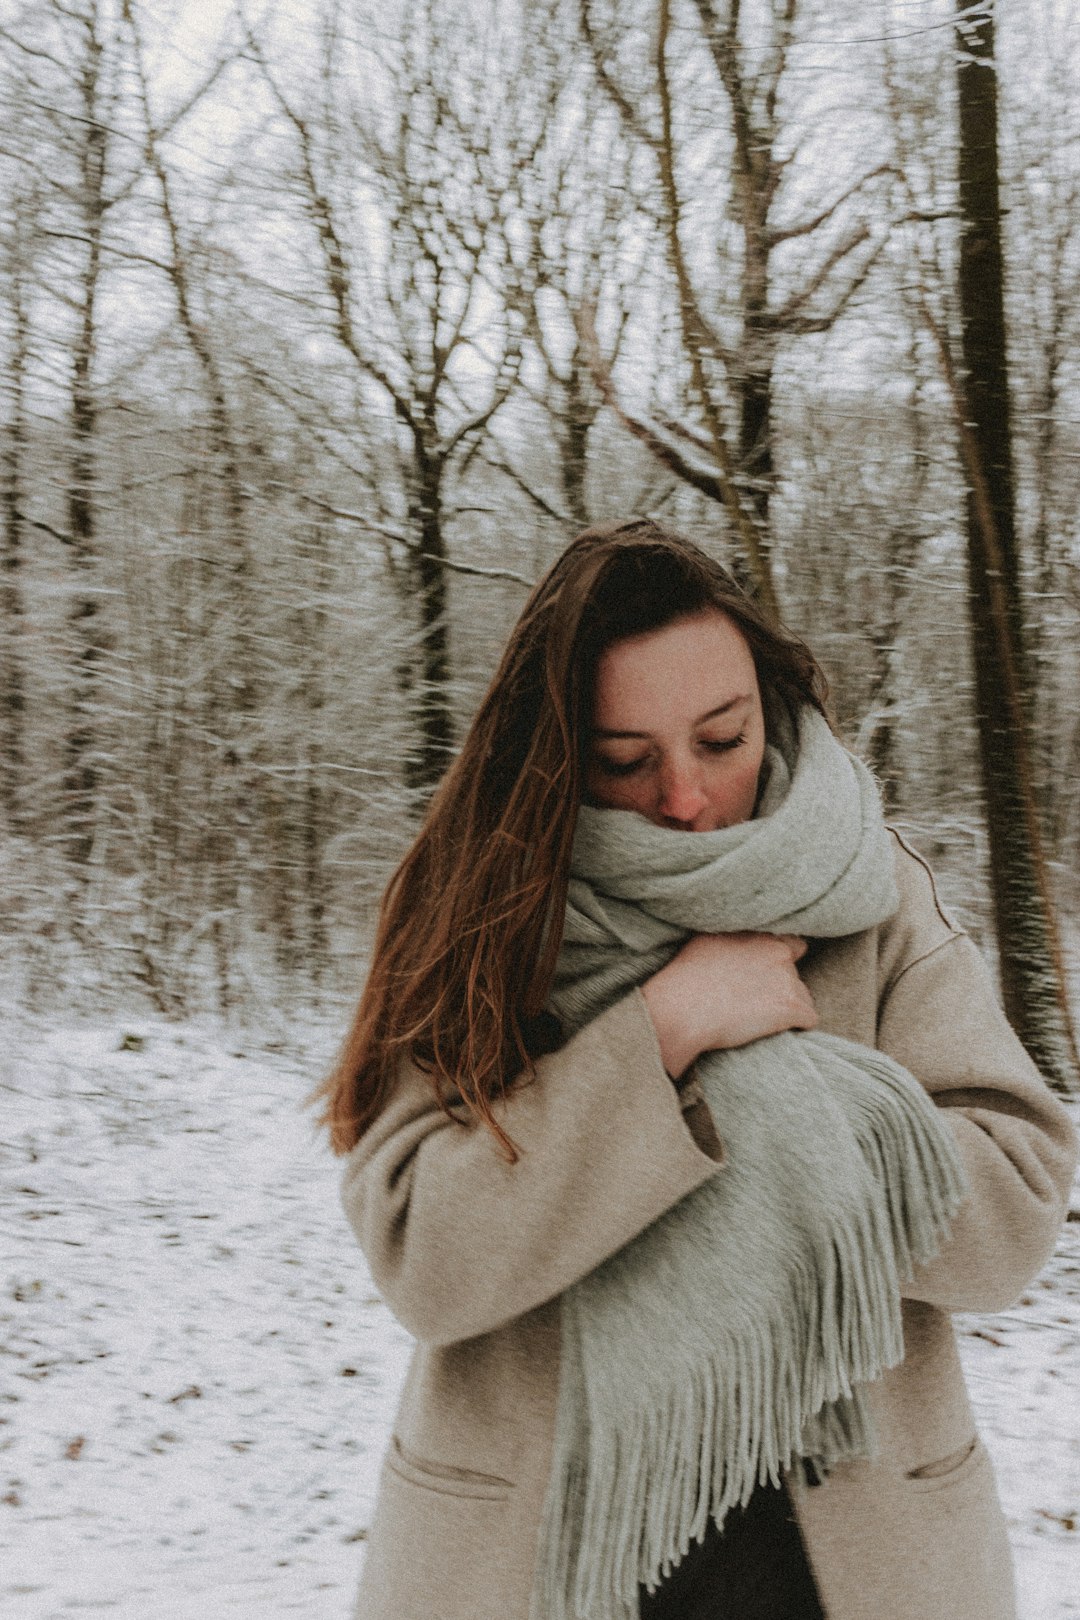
pixel 1039 133
pixel 1032 974
pixel 417 213
pixel 231 716
pixel 72 152
pixel 724 447
pixel 587 249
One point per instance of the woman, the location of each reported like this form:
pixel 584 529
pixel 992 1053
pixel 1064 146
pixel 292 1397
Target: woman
pixel 679 1116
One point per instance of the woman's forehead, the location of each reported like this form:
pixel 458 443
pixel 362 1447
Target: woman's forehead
pixel 692 667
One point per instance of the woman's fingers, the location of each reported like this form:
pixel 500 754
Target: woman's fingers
pixel 805 1013
pixel 726 990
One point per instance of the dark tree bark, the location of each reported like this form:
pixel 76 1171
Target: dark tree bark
pixel 1032 977
pixel 12 674
pixel 435 723
pixel 80 768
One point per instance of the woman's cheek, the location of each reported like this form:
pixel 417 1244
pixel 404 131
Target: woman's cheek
pixel 739 794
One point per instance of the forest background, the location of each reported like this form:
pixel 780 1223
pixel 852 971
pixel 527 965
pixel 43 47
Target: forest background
pixel 324 327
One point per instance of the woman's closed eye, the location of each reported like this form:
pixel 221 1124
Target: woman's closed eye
pixel 629 767
pixel 619 767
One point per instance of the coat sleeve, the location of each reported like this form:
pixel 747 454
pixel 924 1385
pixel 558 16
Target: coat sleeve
pixel 460 1242
pixel 940 1017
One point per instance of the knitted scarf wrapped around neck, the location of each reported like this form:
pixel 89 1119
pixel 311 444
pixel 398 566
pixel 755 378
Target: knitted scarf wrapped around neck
pixel 735 1333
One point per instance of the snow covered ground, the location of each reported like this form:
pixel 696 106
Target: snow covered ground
pixel 197 1378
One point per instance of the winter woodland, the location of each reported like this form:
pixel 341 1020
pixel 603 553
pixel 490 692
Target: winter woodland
pixel 323 327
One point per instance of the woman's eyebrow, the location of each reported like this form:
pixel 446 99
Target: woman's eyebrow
pixel 721 708
pixel 732 703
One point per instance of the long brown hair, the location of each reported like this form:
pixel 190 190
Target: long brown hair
pixel 470 924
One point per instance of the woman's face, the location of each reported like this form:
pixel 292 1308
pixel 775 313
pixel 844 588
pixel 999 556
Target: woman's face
pixel 678 732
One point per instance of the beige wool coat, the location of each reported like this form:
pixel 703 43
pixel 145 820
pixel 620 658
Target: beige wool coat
pixel 472 1255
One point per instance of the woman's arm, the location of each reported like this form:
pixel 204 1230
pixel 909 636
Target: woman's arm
pixel 460 1242
pixel 940 1017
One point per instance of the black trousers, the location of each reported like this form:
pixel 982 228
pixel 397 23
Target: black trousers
pixel 755 1568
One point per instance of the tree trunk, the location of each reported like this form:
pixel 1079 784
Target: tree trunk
pixel 754 388
pixel 757 471
pixel 581 409
pixel 1032 977
pixel 434 721
pixel 12 675
pixel 80 770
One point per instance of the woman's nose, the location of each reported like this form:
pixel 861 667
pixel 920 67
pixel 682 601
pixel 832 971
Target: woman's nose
pixel 681 795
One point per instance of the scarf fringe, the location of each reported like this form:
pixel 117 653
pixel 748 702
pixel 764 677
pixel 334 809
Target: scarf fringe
pixel 736 1408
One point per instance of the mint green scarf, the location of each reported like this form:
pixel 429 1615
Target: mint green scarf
pixel 735 1333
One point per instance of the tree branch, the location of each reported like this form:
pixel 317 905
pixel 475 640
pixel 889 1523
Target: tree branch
pixel 806 226
pixel 502 464
pixel 787 316
pixel 383 530
pixel 628 111
pixel 474 568
pixel 45 528
pixel 651 434
pixel 334 256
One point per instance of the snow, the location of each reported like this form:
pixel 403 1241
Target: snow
pixel 197 1378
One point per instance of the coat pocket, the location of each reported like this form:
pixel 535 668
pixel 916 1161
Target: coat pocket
pixel 441 1545
pixel 957 1465
pixel 447 1478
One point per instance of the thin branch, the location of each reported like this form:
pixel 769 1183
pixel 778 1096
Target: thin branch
pixel 474 423
pixel 202 89
pixel 679 430
pixel 105 247
pixel 45 528
pixel 474 568
pixel 806 226
pixel 801 326
pixel 383 530
pixel 651 434
pixel 277 392
pixel 35 51
pixel 787 316
pixel 504 465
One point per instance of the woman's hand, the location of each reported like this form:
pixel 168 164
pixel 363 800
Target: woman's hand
pixel 723 990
